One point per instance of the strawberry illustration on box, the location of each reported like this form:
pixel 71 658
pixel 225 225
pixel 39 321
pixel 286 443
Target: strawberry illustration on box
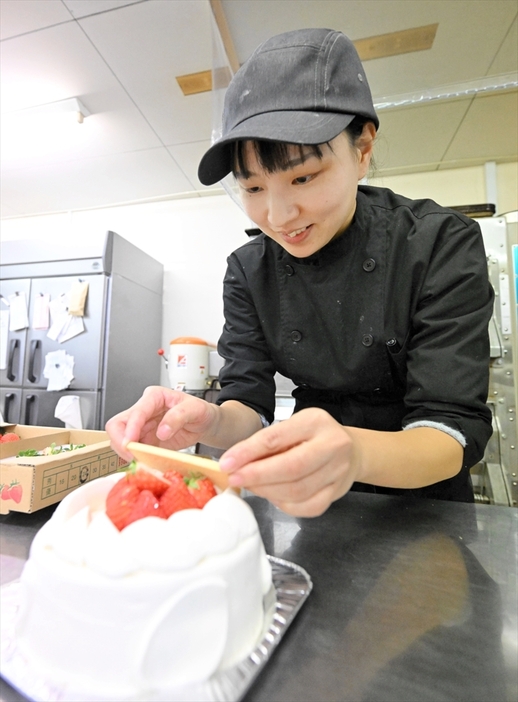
pixel 14 491
pixel 8 437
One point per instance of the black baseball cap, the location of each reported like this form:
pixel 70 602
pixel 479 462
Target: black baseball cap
pixel 300 87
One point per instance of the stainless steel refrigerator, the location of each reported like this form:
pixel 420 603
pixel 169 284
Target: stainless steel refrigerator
pixel 114 358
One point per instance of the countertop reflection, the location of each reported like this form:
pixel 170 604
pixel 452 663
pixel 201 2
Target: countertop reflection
pixel 412 600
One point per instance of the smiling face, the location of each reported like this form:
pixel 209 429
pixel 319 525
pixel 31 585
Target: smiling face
pixel 307 204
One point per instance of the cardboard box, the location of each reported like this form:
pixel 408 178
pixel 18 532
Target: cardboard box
pixel 29 483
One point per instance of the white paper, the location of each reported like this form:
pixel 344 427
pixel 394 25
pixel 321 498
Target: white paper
pixel 58 316
pixel 59 366
pixel 41 312
pixel 68 409
pixel 18 318
pixel 72 327
pixel 63 326
pixel 4 336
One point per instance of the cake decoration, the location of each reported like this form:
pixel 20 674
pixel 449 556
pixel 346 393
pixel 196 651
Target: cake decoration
pixel 146 492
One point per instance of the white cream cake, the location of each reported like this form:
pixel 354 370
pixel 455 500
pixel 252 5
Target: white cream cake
pixel 162 604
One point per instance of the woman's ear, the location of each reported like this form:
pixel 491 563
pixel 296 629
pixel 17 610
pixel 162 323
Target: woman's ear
pixel 365 145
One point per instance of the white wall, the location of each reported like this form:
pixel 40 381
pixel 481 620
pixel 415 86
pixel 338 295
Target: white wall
pixel 193 237
pixel 459 186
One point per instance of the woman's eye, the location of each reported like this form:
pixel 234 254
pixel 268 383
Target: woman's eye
pixel 253 190
pixel 303 179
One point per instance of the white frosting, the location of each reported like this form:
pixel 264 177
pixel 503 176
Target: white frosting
pixel 163 603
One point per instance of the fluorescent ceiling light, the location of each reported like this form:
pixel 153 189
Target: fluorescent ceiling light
pixel 489 84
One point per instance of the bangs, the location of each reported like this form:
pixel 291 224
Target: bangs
pixel 272 156
pixel 275 156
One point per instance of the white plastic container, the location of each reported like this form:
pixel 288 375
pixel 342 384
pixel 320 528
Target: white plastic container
pixel 189 363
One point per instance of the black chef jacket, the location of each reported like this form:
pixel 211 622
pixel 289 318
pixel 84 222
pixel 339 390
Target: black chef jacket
pixel 385 326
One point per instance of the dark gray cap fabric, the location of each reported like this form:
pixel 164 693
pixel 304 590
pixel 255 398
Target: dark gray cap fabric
pixel 301 87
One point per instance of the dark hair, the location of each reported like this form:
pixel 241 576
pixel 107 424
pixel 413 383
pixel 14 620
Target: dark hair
pixel 276 155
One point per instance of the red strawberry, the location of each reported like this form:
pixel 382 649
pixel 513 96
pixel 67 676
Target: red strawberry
pixel 120 502
pixel 147 505
pixel 149 479
pixel 9 436
pixel 202 489
pixel 5 492
pixel 176 498
pixel 173 477
pixel 15 492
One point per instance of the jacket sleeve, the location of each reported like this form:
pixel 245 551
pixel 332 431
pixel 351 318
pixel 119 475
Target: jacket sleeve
pixel 448 347
pixel 248 372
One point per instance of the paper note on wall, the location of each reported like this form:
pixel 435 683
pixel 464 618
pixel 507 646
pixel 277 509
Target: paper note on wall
pixel 18 318
pixel 59 366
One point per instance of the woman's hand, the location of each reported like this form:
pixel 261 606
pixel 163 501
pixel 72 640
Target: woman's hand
pixel 162 417
pixel 301 465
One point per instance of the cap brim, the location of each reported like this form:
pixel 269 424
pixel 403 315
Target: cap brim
pixel 289 126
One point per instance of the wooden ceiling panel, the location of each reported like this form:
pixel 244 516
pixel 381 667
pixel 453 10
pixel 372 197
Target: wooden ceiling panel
pixel 194 83
pixel 395 43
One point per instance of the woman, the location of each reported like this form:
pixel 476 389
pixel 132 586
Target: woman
pixel 376 306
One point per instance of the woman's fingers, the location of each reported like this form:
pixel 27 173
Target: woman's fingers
pixel 272 441
pixel 294 448
pixel 148 409
pixel 161 417
pixel 116 429
pixel 301 465
pixel 187 412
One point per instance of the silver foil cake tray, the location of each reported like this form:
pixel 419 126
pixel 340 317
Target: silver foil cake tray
pixel 291 587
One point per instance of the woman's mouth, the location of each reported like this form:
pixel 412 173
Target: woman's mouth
pixel 296 234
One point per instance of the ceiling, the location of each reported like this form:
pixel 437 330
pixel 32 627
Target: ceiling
pixel 143 138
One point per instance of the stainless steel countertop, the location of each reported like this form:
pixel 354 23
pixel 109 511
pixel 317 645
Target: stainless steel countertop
pixel 412 600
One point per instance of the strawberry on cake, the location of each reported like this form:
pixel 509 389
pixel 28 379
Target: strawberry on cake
pixel 142 582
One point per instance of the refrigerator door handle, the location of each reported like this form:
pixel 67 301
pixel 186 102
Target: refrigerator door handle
pixel 9 397
pixel 35 344
pixel 29 400
pixel 12 351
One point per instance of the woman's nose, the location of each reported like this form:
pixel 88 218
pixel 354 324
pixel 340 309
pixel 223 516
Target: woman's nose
pixel 281 211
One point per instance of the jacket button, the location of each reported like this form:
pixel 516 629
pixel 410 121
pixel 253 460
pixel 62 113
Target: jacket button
pixel 367 339
pixel 296 335
pixel 369 265
pixel 289 270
